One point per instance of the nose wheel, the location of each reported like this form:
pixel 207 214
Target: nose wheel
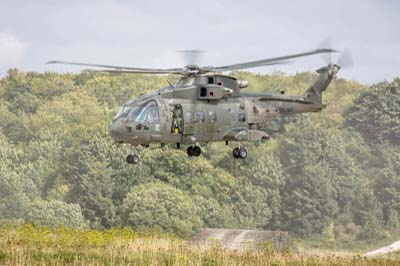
pixel 133 158
pixel 239 153
pixel 193 151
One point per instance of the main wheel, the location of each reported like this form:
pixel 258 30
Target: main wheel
pixel 242 153
pixel 132 159
pixel 236 153
pixel 190 151
pixel 196 151
pixel 136 159
pixel 129 158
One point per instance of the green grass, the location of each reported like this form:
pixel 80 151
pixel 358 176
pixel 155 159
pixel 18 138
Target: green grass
pixel 35 245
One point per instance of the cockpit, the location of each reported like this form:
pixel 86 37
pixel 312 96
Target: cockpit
pixel 147 112
pixel 136 122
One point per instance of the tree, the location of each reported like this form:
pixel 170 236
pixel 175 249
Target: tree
pixel 54 213
pixel 158 206
pixel 376 113
pixel 387 183
pixel 308 202
pixel 90 183
pixel 319 165
pixel 16 190
pixel 211 212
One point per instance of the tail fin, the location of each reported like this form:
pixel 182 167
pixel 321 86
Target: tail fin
pixel 326 74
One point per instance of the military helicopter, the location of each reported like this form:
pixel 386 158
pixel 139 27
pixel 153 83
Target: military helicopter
pixel 205 105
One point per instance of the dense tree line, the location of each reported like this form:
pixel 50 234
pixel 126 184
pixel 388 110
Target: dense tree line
pixel 334 174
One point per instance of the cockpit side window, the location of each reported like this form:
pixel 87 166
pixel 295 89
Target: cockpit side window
pixel 152 115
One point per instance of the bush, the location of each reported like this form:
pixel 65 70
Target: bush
pixel 55 213
pixel 157 206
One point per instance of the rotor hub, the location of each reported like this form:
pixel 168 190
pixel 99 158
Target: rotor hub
pixel 192 67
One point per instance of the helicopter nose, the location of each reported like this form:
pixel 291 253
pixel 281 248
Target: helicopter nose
pixel 115 130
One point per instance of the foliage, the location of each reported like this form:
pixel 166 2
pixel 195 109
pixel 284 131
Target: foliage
pixel 332 175
pixel 376 113
pixel 55 213
pixel 158 206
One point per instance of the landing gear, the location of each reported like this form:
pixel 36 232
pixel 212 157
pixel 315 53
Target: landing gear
pixel 243 153
pixel 239 153
pixel 236 153
pixel 193 151
pixel 196 151
pixel 189 151
pixel 133 158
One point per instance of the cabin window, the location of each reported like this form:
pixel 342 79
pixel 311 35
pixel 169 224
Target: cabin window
pixel 200 117
pixel 188 118
pixel 241 117
pixel 212 117
pixel 210 80
pixel 203 92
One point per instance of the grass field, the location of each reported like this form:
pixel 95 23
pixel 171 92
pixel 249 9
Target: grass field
pixel 33 245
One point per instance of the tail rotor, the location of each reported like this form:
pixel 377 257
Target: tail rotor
pixel 345 59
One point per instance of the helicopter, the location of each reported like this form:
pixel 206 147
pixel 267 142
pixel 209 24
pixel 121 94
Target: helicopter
pixel 205 105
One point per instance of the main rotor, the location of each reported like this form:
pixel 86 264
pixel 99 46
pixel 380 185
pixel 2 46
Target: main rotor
pixel 193 70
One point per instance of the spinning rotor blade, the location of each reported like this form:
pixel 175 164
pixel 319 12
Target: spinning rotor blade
pixel 121 69
pixel 127 71
pixel 270 61
pixel 327 57
pixel 194 69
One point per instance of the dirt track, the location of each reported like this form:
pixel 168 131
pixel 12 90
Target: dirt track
pixel 393 247
pixel 237 239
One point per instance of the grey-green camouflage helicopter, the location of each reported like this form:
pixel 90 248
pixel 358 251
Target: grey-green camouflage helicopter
pixel 206 106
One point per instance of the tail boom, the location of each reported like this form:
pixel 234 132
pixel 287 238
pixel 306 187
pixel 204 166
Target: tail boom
pixel 326 75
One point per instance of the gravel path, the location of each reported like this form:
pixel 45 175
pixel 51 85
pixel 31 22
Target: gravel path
pixel 393 247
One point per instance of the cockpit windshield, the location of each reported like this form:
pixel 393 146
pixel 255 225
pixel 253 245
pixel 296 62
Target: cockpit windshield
pixel 147 112
pixel 144 113
pixel 122 112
